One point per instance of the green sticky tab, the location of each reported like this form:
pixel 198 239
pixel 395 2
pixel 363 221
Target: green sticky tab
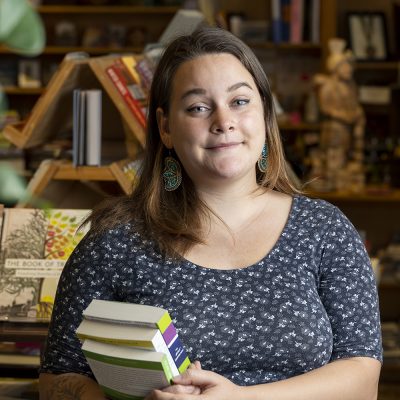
pixel 184 366
pixel 164 322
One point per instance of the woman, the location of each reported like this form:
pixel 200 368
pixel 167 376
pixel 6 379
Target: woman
pixel 270 291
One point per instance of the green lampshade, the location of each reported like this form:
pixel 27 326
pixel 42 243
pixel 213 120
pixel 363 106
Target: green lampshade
pixel 12 186
pixel 3 104
pixel 21 28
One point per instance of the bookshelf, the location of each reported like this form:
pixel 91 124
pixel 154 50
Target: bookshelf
pixel 45 122
pixel 64 171
pixel 149 21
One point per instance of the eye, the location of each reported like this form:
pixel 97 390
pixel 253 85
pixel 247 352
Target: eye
pixel 241 102
pixel 198 109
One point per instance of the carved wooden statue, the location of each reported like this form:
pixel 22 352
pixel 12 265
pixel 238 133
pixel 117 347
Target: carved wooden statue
pixel 342 135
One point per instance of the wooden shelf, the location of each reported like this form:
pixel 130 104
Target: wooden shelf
pixel 23 331
pixel 90 50
pixel 389 285
pixel 64 170
pixel 302 126
pixel 286 46
pixel 383 196
pixel 70 9
pixel 15 90
pixel 378 65
pixel 62 50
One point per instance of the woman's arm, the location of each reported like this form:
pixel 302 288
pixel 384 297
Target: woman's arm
pixel 347 379
pixel 69 386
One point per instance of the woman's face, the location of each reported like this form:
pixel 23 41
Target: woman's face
pixel 216 120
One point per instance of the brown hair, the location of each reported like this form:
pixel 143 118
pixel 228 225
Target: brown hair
pixel 173 219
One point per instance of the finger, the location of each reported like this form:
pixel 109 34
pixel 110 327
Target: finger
pixel 182 389
pixel 197 364
pixel 197 377
pixel 161 395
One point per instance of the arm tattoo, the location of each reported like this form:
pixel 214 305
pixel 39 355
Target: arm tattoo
pixel 65 388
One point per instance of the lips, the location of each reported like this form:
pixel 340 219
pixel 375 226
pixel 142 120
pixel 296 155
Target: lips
pixel 223 145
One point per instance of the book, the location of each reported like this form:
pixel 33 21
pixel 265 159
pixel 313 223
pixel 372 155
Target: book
pixel 119 79
pixel 296 21
pixel 82 126
pixel 129 335
pixel 126 172
pixel 137 87
pixel 35 245
pixel 86 127
pixel 285 15
pixel 76 99
pixel 276 14
pixel 140 315
pixel 125 372
pixel 93 126
pixel 315 21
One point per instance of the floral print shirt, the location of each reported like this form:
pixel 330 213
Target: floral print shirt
pixel 311 300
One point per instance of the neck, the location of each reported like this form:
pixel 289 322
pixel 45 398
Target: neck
pixel 233 205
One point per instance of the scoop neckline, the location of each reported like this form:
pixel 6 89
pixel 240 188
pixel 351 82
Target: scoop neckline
pixel 281 237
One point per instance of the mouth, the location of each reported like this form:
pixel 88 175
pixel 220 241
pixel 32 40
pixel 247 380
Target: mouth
pixel 222 146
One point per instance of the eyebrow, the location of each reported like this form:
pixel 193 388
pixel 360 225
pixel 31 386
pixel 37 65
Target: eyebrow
pixel 197 91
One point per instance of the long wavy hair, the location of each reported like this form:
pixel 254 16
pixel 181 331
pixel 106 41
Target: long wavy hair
pixel 174 219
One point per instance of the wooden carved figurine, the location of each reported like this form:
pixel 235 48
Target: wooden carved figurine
pixel 342 134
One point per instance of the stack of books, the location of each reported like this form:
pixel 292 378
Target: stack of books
pixel 131 348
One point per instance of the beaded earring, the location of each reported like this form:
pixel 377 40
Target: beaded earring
pixel 172 174
pixel 262 162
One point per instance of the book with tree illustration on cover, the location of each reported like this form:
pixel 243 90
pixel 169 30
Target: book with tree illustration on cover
pixel 35 245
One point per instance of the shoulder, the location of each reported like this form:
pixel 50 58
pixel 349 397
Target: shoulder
pixel 318 215
pixel 122 236
pixel 326 219
pixel 313 208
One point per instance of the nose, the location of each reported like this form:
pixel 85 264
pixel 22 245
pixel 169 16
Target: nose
pixel 223 121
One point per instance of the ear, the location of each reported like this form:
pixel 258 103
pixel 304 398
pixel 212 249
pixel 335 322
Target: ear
pixel 162 122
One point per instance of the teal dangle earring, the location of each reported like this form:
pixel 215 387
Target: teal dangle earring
pixel 172 174
pixel 262 162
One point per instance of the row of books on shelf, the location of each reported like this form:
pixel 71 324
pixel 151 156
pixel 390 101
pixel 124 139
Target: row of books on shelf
pixel 130 79
pixel 124 80
pixel 295 21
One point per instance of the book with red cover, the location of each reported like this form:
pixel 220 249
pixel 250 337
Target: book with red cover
pixel 121 78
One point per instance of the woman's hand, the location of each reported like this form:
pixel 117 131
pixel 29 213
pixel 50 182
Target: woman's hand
pixel 198 384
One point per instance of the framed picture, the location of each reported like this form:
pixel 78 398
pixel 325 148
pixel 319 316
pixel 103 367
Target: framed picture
pixel 29 74
pixel 368 35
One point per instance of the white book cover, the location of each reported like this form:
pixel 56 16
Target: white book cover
pixel 82 128
pixel 93 126
pixel 128 313
pixel 75 126
pixel 123 371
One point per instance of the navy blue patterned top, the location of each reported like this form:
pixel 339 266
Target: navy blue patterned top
pixel 312 299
